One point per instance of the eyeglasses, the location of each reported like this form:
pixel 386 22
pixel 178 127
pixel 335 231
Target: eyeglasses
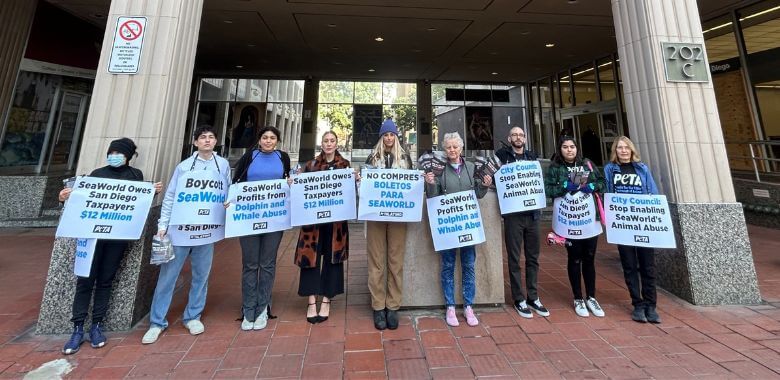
pixel 515 135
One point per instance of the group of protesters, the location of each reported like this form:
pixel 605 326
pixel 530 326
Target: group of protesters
pixel 322 249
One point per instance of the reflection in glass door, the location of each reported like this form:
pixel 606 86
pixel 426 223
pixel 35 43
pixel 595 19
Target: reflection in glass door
pixel 63 144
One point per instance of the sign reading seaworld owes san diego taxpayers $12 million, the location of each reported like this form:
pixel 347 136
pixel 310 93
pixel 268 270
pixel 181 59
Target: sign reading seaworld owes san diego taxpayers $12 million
pixel 106 209
pixel 391 195
pixel 455 220
pixel 639 220
pixel 520 187
pixel 199 198
pixel 258 207
pixel 574 216
pixel 322 197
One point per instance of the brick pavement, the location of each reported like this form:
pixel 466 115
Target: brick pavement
pixel 692 341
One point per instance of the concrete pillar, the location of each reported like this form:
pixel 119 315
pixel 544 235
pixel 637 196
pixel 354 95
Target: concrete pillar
pixel 149 107
pixel 308 136
pixel 16 17
pixel 678 133
pixel 424 117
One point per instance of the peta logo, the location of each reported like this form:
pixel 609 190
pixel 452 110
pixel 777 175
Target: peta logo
pixel 101 229
pixel 392 214
pixel 323 214
pixel 204 211
pixel 260 226
pixel 465 238
pixel 575 232
pixel 641 239
pixel 529 202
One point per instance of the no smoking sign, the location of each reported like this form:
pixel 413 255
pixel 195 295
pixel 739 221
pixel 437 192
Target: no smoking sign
pixel 127 45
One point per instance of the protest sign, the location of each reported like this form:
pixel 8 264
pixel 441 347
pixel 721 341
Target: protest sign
pixel 85 253
pixel 258 207
pixel 574 216
pixel 391 195
pixel 455 220
pixel 199 198
pixel 639 220
pixel 189 235
pixel 106 209
pixel 520 187
pixel 322 197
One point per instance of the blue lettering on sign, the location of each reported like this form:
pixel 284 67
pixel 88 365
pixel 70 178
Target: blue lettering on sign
pixel 203 196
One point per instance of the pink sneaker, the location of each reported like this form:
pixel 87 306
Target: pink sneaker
pixel 452 319
pixel 471 319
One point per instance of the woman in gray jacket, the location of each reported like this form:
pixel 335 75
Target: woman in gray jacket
pixel 458 175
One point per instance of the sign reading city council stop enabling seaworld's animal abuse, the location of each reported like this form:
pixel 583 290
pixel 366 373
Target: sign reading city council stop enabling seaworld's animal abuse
pixel 106 209
pixel 391 195
pixel 639 220
pixel 455 220
pixel 520 187
pixel 322 197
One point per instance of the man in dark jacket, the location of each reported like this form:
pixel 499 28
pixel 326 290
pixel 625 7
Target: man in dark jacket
pixel 520 228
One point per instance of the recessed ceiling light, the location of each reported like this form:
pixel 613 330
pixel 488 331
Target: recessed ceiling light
pixel 430 29
pixel 494 73
pixel 331 25
pixel 239 66
pixel 493 53
pixel 573 1
pixel 416 50
pixel 371 70
pixel 549 45
pixel 250 45
pixel 525 33
pixel 227 21
pixel 379 39
pixel 334 48
pixel 336 63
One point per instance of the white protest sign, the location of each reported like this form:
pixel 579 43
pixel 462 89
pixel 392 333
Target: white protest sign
pixel 85 254
pixel 392 195
pixel 322 197
pixel 127 45
pixel 639 220
pixel 188 235
pixel 199 198
pixel 258 207
pixel 455 220
pixel 106 209
pixel 574 216
pixel 520 187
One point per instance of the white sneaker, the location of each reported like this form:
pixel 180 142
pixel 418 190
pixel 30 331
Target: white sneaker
pixel 247 325
pixel 152 335
pixel 195 326
pixel 594 307
pixel 261 321
pixel 580 309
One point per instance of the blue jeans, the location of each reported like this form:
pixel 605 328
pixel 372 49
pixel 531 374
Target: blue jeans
pixel 468 255
pixel 200 261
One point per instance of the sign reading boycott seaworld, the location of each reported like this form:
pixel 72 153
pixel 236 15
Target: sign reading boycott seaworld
pixel 455 220
pixel 106 209
pixel 322 197
pixel 574 216
pixel 199 198
pixel 258 207
pixel 393 195
pixel 520 187
pixel 639 220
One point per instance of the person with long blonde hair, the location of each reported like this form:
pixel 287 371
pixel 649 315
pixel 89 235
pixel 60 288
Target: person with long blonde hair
pixel 386 240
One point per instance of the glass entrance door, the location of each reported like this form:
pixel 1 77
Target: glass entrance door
pixel 68 125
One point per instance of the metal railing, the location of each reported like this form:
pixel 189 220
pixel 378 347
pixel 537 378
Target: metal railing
pixel 765 155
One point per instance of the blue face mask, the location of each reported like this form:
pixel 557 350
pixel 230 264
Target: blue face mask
pixel 115 160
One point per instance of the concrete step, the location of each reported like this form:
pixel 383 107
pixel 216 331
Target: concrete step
pixel 51 212
pixel 42 222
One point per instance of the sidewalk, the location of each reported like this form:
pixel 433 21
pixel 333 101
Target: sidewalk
pixel 692 342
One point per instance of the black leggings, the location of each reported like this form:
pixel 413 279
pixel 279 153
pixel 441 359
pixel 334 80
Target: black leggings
pixel 108 256
pixel 582 254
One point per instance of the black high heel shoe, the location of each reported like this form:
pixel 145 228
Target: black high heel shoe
pixel 316 317
pixel 324 318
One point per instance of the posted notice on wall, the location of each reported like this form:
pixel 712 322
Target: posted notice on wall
pixel 189 235
pixel 106 209
pixel 258 207
pixel 574 216
pixel 85 254
pixel 455 220
pixel 520 187
pixel 199 198
pixel 391 195
pixel 639 220
pixel 127 45
pixel 322 197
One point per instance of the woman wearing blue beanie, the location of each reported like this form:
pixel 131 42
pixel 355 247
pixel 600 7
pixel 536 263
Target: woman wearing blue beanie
pixel 386 240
